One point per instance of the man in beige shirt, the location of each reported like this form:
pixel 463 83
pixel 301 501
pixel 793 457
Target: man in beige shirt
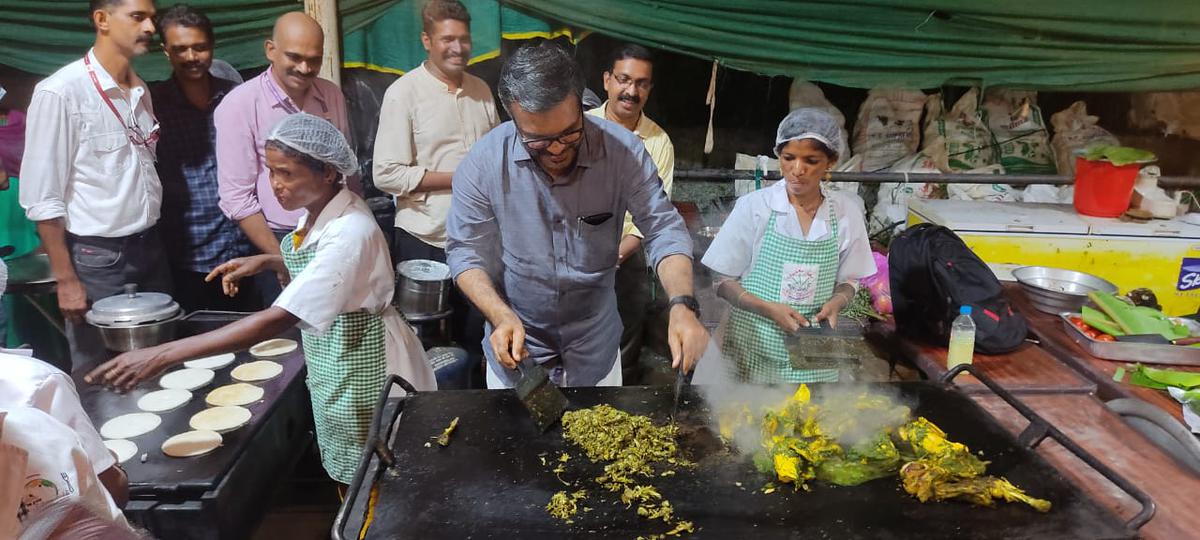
pixel 429 120
pixel 628 81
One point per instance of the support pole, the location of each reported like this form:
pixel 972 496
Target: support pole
pixel 326 14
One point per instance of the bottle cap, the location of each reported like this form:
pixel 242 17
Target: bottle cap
pixel 964 310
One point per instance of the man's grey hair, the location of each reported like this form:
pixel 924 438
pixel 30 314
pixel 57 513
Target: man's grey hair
pixel 539 77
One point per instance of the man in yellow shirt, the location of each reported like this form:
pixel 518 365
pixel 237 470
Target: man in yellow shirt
pixel 628 82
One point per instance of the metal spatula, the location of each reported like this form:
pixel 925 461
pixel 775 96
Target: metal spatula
pixel 541 397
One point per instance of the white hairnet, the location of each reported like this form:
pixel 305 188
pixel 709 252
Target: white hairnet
pixel 811 123
pixel 316 138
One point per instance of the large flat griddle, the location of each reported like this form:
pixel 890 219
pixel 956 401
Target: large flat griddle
pixel 178 478
pixel 490 482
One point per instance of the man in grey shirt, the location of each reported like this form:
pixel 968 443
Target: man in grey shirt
pixel 534 225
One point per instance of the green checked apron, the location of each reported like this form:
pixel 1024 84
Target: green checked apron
pixel 346 371
pixel 799 273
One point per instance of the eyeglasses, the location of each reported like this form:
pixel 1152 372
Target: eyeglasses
pixel 138 138
pixel 641 84
pixel 567 139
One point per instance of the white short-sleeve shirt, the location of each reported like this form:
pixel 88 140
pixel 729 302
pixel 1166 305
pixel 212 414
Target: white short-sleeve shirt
pixel 56 467
pixel 735 249
pixel 352 272
pixel 29 382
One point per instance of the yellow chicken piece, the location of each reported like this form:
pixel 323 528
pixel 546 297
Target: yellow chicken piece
pixel 787 468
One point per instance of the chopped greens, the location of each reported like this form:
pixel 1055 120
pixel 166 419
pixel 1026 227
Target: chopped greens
pixel 564 506
pixel 631 448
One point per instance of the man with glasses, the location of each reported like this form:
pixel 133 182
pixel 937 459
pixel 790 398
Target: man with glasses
pixel 628 81
pixel 535 222
pixel 88 178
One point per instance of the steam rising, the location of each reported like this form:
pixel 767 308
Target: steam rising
pixel 841 416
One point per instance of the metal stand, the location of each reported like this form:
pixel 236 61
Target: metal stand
pixel 1039 429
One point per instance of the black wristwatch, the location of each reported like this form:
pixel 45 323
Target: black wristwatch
pixel 686 300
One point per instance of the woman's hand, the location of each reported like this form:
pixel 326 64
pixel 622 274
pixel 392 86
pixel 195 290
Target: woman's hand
pixel 242 267
pixel 829 311
pixel 787 318
pixel 127 370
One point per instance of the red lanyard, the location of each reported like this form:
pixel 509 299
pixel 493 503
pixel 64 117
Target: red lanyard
pixel 140 139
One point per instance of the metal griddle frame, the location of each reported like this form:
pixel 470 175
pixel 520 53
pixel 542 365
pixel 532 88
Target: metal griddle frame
pixel 1037 431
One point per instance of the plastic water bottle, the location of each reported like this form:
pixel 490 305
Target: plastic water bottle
pixel 962 339
pixel 760 170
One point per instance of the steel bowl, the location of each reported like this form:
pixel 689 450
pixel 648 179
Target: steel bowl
pixel 1055 290
pixel 138 336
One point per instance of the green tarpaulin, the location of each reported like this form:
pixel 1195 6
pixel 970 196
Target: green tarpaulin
pixel 393 42
pixel 1125 45
pixel 1121 45
pixel 40 36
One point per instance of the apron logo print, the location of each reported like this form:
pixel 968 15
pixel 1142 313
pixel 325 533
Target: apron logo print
pixel 799 283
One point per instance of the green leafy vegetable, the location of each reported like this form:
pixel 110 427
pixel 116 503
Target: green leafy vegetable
pixel 1118 155
pixel 1098 320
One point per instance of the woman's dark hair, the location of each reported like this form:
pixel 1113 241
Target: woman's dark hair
pixel 315 165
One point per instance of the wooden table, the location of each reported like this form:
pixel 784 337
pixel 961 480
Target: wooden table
pixel 1027 370
pixel 1054 339
pixel 1067 390
pixel 1086 421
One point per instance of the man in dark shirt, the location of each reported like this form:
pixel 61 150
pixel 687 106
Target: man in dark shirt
pixel 197 234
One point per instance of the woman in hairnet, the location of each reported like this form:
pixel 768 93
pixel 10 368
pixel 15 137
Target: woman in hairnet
pixel 340 295
pixel 789 255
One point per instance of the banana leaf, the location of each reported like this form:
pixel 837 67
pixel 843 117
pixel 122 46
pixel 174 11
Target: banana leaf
pixel 1098 320
pixel 1161 379
pixel 1136 319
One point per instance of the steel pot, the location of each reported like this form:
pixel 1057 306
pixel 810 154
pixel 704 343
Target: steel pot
pixel 135 320
pixel 422 289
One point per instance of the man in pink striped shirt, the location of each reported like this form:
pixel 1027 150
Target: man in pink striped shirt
pixel 245 118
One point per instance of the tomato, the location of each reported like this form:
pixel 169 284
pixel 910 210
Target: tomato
pixel 1105 337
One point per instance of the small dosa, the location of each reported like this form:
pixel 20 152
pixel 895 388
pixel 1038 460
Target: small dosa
pixel 211 362
pixel 122 448
pixel 191 443
pixel 130 425
pixel 220 419
pixel 260 370
pixel 164 400
pixel 234 395
pixel 187 378
pixel 273 347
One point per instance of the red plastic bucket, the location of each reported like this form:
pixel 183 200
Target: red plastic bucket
pixel 1103 189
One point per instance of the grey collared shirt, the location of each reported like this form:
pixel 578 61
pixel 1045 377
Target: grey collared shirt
pixel 556 271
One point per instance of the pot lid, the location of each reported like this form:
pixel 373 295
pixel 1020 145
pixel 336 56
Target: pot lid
pixel 423 270
pixel 132 308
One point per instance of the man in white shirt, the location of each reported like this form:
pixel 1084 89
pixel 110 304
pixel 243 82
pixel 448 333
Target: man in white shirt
pixel 87 175
pixel 29 382
pixel 45 465
pixel 429 120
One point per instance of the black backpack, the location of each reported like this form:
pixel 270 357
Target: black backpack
pixel 932 273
